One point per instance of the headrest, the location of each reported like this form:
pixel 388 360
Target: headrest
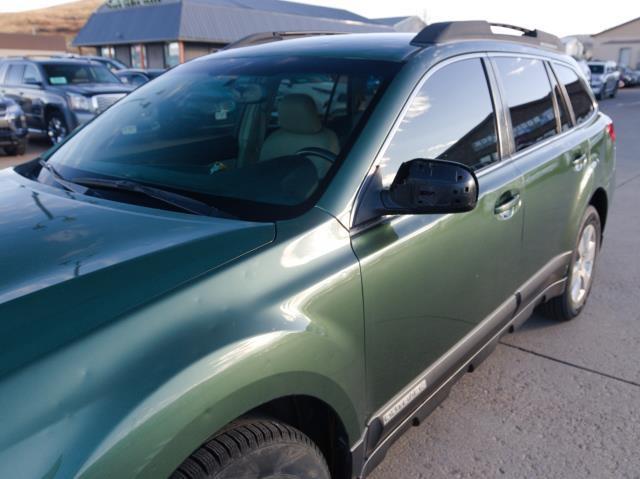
pixel 298 114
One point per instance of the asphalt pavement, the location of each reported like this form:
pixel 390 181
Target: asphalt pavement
pixel 36 147
pixel 554 400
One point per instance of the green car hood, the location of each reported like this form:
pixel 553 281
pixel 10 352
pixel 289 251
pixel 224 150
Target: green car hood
pixel 69 264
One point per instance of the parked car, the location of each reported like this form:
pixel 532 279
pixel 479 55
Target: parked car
pixel 113 64
pixel 13 127
pixel 628 77
pixel 604 79
pixel 586 71
pixel 194 290
pixel 58 95
pixel 137 77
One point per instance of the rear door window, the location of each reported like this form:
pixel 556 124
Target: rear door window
pixel 577 91
pixel 31 75
pixel 529 99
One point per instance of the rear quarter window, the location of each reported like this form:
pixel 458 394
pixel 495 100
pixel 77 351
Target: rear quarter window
pixel 14 75
pixel 577 91
pixel 529 99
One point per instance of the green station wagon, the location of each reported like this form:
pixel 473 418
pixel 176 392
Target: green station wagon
pixel 271 261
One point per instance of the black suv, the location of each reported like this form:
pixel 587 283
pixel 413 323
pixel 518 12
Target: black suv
pixel 13 127
pixel 58 95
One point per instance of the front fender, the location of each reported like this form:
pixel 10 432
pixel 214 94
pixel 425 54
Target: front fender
pixel 166 427
pixel 135 397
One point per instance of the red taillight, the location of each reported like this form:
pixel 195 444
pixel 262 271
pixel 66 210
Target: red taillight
pixel 611 131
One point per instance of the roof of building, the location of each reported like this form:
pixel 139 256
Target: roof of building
pixel 215 21
pixel 25 41
pixel 390 21
pixel 609 30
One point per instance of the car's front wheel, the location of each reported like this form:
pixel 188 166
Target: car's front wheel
pixel 256 449
pixel 581 270
pixel 57 129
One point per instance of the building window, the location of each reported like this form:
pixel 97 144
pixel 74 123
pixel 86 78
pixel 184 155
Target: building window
pixel 108 52
pixel 137 59
pixel 172 54
pixel 624 57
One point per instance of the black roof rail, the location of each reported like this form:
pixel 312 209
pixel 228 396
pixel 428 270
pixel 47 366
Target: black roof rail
pixel 481 30
pixel 268 37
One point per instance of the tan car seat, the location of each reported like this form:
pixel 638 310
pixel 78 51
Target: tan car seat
pixel 300 127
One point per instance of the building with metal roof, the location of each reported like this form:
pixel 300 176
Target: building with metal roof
pixel 403 24
pixel 163 33
pixel 620 44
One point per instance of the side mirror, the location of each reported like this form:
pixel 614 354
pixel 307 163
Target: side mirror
pixel 431 186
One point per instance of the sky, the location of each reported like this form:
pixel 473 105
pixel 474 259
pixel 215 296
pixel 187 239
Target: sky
pixel 561 17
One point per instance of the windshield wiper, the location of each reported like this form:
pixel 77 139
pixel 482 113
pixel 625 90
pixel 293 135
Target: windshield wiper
pixel 177 200
pixel 61 180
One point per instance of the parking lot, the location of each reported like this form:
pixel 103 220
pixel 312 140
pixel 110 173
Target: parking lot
pixel 36 147
pixel 554 400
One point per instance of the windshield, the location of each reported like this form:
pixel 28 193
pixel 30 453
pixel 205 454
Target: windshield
pixel 77 73
pixel 597 69
pixel 254 137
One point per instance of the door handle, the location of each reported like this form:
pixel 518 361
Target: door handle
pixel 507 207
pixel 579 160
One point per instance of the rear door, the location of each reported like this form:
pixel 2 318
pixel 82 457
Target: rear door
pixel 430 280
pixel 551 158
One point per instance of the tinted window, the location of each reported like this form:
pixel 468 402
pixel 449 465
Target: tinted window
pixel 565 116
pixel 528 97
pixel 451 118
pixel 14 75
pixel 578 95
pixel 205 129
pixel 597 69
pixel 30 74
pixel 76 73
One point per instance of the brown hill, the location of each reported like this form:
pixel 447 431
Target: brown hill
pixel 66 19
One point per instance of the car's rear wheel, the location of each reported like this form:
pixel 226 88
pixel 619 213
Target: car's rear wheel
pixel 57 129
pixel 256 449
pixel 581 270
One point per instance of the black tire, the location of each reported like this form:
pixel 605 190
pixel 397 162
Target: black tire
pixel 19 148
pixel 256 449
pixel 57 128
pixel 565 308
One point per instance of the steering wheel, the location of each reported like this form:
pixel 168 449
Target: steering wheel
pixel 319 153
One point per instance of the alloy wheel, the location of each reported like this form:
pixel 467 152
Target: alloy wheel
pixel 56 130
pixel 582 272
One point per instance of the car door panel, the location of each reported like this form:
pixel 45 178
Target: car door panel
pixel 550 165
pixel 429 280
